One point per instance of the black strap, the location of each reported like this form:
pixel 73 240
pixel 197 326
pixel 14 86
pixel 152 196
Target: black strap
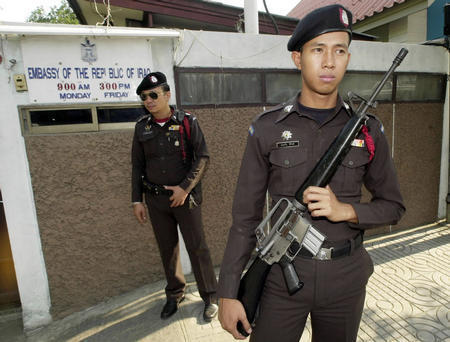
pixel 155 189
pixel 339 251
pixel 347 249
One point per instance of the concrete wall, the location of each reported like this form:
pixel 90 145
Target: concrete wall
pixel 67 196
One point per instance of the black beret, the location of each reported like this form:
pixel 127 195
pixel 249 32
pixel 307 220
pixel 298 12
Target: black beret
pixel 152 80
pixel 321 20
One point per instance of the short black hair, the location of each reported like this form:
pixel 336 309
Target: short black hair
pixel 165 87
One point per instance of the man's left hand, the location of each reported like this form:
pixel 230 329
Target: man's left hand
pixel 323 202
pixel 179 195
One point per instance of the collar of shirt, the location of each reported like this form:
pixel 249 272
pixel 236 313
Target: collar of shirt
pixel 292 106
pixel 172 117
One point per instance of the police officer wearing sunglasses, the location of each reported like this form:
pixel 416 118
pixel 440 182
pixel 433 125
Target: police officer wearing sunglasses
pixel 169 158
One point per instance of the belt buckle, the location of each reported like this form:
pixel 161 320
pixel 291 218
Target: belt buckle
pixel 324 254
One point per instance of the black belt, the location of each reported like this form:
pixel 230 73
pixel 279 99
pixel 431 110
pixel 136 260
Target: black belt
pixel 335 251
pixel 155 189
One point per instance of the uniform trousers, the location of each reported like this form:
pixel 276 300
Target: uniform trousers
pixel 164 220
pixel 333 295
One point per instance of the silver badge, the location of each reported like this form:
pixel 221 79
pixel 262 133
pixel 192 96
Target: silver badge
pixel 286 135
pixel 288 108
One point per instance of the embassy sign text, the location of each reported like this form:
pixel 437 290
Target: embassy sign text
pixel 76 69
pixel 81 82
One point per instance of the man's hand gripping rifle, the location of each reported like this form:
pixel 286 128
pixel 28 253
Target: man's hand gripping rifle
pixel 293 231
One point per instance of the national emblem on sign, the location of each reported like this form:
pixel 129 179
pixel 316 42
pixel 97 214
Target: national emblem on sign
pixel 286 135
pixel 88 51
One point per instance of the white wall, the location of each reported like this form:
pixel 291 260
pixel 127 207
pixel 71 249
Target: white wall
pixel 238 50
pixel 15 183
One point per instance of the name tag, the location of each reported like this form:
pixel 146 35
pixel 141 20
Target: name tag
pixel 174 128
pixel 286 144
pixel 358 143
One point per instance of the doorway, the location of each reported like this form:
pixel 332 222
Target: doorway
pixel 9 293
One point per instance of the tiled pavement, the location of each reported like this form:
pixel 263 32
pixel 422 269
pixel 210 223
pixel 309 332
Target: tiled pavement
pixel 407 301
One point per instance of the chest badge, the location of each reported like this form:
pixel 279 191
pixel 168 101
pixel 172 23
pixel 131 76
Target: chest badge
pixel 358 143
pixel 174 127
pixel 286 135
pixel 177 143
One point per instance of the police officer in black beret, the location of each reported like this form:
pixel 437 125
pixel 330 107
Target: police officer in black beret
pixel 169 158
pixel 283 146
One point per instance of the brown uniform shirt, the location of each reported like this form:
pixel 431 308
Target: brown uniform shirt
pixel 157 154
pixel 283 146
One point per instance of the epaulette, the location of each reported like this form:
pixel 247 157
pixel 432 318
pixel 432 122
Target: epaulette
pixel 377 119
pixel 143 117
pixel 271 110
pixel 179 114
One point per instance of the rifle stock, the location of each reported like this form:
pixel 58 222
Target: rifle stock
pixel 250 289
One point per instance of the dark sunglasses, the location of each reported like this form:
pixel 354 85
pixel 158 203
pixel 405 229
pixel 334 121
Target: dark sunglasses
pixel 152 95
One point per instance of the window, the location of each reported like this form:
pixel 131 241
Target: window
pixel 209 88
pixel 364 84
pixel 49 117
pixel 83 118
pixel 228 87
pixel 114 115
pixel 281 87
pixel 420 87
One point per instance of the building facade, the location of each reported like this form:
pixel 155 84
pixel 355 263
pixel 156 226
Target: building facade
pixel 68 112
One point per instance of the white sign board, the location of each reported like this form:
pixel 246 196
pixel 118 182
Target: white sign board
pixel 79 69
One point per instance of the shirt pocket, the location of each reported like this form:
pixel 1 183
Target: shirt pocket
pixel 350 174
pixel 174 142
pixel 144 135
pixel 287 170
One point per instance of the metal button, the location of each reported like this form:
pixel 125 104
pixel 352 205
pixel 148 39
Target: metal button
pixel 286 162
pixel 350 162
pixel 163 171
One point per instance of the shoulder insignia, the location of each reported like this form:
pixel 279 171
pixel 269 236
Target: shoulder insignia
pixel 251 130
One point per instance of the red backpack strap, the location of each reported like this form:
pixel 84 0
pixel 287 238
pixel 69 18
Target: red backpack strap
pixel 187 127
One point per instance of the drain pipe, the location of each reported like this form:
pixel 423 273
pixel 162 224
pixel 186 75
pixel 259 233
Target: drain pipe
pixel 251 16
pixel 444 192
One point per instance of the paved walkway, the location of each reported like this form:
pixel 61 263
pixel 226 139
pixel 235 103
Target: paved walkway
pixel 407 300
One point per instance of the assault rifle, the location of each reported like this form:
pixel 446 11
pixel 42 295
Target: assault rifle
pixel 293 230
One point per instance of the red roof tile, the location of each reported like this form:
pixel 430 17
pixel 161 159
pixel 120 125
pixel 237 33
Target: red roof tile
pixel 360 8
